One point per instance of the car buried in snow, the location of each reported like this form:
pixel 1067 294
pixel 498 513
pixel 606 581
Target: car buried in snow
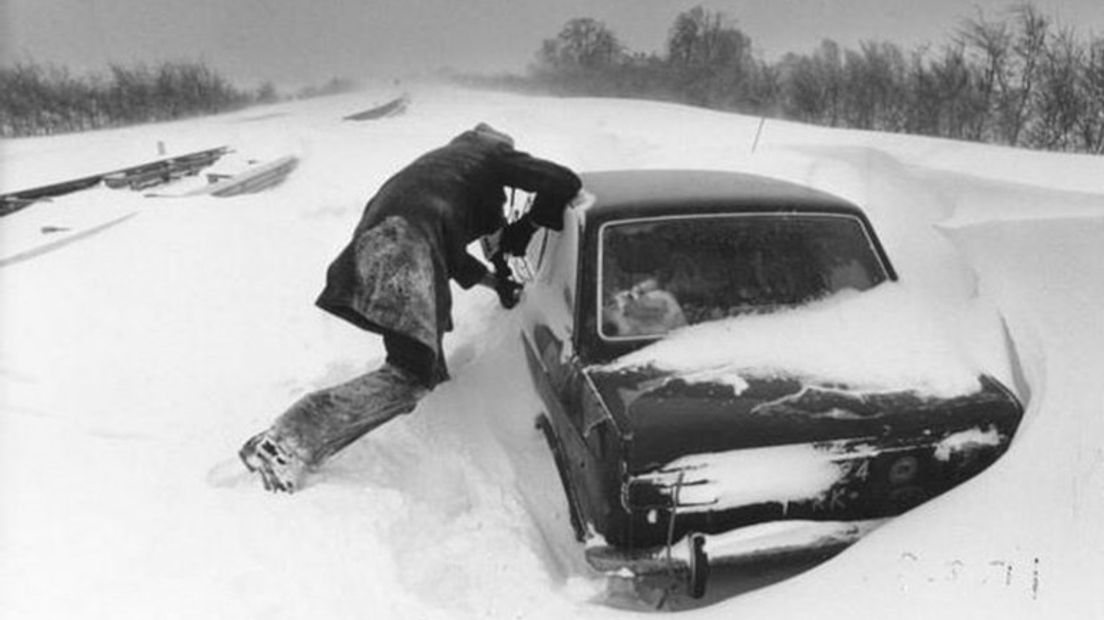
pixel 678 466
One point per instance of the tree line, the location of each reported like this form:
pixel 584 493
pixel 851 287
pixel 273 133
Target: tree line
pixel 38 99
pixel 1018 79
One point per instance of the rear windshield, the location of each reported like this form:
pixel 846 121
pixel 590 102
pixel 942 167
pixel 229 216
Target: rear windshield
pixel 663 273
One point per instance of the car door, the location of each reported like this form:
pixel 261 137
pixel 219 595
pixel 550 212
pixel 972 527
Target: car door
pixel 548 312
pixel 588 456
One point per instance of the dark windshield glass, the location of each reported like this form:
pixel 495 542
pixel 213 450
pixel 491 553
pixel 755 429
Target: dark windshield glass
pixel 664 273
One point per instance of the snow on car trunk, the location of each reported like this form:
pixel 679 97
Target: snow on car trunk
pixel 875 341
pixel 717 481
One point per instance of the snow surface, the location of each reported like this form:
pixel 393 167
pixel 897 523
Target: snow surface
pixel 880 340
pixel 135 360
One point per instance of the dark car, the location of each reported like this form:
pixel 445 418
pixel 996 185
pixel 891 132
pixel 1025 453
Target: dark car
pixel 668 472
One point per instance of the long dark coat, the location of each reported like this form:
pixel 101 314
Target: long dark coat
pixel 422 219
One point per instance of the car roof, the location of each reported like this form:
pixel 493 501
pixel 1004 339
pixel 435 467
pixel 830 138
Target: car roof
pixel 648 192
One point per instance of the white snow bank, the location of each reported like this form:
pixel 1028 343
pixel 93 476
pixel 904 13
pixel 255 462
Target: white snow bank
pixel 878 340
pixel 135 359
pixel 1022 540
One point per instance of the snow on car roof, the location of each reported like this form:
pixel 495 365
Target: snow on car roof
pixel 644 190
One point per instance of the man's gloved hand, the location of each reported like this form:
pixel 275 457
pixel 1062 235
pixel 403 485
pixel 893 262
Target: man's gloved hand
pixel 509 292
pixel 515 236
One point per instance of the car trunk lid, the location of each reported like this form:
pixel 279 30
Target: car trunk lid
pixel 668 416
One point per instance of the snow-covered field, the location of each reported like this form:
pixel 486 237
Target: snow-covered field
pixel 134 360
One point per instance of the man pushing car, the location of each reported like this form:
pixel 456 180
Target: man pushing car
pixel 393 279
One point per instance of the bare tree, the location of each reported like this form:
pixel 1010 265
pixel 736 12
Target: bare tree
pixel 1029 48
pixel 685 35
pixel 702 38
pixel 1058 103
pixel 1090 123
pixel 941 96
pixel 812 86
pixel 874 81
pixel 990 44
pixel 583 43
pixel 1009 57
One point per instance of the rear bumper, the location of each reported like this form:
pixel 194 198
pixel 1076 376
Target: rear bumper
pixel 782 539
pixel 760 543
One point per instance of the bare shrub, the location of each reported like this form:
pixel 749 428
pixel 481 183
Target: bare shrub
pixel 37 99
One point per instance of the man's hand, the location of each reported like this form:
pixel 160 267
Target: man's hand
pixel 509 292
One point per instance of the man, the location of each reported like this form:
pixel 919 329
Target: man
pixel 393 279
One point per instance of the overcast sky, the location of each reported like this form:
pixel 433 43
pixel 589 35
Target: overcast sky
pixel 308 41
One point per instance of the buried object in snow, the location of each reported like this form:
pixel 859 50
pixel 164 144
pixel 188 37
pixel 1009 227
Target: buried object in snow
pixel 730 373
pixel 393 107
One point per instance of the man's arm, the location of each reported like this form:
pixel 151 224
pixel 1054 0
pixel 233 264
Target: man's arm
pixel 553 184
pixel 489 280
pixel 470 271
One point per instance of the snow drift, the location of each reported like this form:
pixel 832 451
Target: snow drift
pixel 134 361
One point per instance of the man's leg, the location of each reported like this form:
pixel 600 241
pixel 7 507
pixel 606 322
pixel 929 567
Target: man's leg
pixel 415 358
pixel 323 423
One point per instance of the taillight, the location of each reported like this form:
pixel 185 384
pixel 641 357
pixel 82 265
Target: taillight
pixel 903 470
